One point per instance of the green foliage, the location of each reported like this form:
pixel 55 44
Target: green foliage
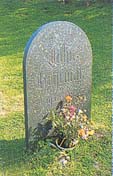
pixel 18 20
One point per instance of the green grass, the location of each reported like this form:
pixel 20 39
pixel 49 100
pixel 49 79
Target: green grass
pixel 19 19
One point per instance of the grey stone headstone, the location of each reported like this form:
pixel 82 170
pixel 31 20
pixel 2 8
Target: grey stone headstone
pixel 57 62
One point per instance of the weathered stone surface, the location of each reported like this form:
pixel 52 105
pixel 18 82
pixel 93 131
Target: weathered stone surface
pixel 57 62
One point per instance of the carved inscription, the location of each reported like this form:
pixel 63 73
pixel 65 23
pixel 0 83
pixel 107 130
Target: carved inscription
pixel 58 78
pixel 64 62
pixel 63 56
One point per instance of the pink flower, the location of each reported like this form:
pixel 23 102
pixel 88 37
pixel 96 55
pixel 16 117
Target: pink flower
pixel 72 110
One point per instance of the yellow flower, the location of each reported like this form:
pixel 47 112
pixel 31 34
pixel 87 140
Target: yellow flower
pixel 84 117
pixel 68 98
pixel 81 132
pixel 91 132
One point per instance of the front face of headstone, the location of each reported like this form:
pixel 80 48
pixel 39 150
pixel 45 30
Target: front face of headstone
pixel 57 62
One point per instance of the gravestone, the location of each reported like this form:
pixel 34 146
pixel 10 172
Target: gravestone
pixel 57 62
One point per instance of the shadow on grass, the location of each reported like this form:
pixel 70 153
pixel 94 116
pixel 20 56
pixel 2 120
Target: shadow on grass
pixel 11 152
pixel 14 157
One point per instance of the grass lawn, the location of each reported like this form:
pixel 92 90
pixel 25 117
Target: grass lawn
pixel 19 19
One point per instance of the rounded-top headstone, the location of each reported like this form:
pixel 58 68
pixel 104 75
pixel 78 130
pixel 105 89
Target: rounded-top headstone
pixel 57 62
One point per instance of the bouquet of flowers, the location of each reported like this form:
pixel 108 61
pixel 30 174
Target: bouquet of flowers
pixel 69 123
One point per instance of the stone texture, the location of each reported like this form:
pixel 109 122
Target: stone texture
pixel 57 62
